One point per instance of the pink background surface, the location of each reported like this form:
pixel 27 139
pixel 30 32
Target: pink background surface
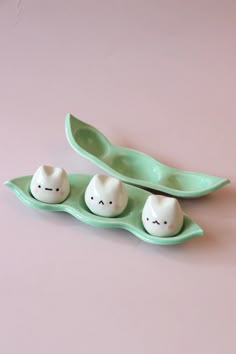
pixel 157 76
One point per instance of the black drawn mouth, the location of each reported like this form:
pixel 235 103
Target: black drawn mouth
pixel 101 202
pixel 48 189
pixel 156 222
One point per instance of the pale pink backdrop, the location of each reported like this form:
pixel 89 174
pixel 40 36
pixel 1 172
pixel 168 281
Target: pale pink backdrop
pixel 158 76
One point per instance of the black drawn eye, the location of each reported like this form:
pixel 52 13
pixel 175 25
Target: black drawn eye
pixel 39 186
pixel 110 202
pixel 165 222
pixel 147 219
pixel 92 198
pixel 57 189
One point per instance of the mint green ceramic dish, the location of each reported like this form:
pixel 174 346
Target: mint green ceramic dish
pixel 135 167
pixel 130 219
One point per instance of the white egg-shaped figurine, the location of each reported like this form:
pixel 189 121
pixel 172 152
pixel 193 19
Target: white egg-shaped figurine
pixel 106 196
pixel 162 216
pixel 50 184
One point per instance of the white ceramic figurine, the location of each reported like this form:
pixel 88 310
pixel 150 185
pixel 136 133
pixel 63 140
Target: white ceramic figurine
pixel 50 184
pixel 162 216
pixel 106 196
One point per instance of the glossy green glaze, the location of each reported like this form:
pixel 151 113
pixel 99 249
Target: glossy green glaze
pixel 135 167
pixel 130 219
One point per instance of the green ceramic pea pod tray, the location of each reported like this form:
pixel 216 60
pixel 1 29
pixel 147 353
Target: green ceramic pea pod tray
pixel 130 219
pixel 135 167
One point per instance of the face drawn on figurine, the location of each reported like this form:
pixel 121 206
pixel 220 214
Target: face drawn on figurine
pixel 162 216
pixel 50 184
pixel 106 196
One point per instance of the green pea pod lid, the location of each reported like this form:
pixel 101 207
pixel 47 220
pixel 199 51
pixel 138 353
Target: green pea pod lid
pixel 134 167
